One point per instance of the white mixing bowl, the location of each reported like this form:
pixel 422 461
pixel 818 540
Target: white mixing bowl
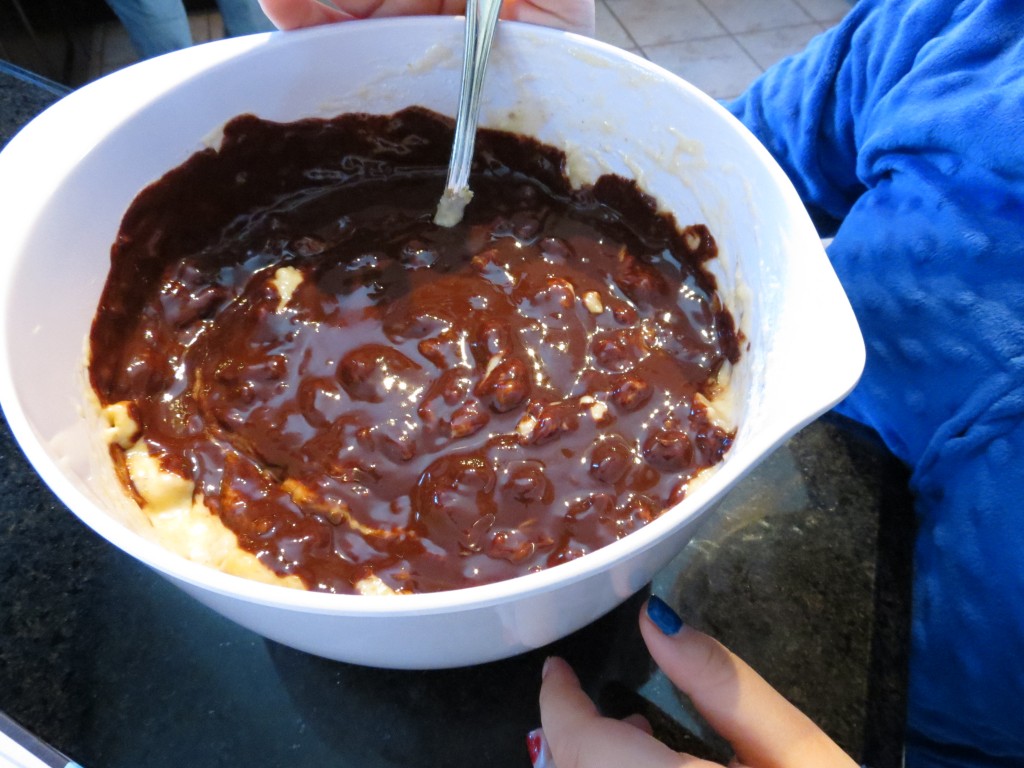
pixel 68 177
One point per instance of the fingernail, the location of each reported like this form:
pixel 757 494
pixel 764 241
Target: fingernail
pixel 664 618
pixel 540 755
pixel 544 669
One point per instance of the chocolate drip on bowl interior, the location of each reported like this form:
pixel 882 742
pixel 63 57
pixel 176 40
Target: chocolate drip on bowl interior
pixel 356 391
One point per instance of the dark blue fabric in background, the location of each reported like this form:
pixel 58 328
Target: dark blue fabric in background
pixel 903 131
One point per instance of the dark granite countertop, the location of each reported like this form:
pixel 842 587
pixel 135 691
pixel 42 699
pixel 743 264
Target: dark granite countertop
pixel 804 570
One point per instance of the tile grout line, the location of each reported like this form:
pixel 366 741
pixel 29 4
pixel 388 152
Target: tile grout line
pixel 705 38
pixel 625 29
pixel 727 33
pixel 749 54
pixel 821 26
pixel 736 40
pixel 825 23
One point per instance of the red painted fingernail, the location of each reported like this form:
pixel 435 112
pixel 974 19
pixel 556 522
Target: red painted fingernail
pixel 540 755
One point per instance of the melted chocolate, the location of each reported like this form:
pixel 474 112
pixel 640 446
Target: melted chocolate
pixel 439 407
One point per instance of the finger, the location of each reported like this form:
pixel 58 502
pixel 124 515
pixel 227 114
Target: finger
pixel 365 9
pixel 574 15
pixel 540 752
pixel 577 16
pixel 580 738
pixel 295 14
pixel 763 728
pixel 640 722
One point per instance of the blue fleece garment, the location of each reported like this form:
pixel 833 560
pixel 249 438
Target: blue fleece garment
pixel 903 131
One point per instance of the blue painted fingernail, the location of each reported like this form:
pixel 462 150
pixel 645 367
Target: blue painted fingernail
pixel 664 618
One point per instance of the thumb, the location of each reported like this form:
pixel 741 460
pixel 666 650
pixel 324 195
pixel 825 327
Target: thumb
pixel 294 14
pixel 579 737
pixel 764 729
pixel 572 15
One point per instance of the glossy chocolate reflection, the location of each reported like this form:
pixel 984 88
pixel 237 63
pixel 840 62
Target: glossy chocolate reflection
pixel 358 393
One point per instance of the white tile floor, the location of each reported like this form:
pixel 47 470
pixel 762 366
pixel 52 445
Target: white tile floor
pixel 718 45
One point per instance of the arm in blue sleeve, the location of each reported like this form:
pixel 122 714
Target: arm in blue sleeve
pixel 967 674
pixel 934 269
pixel 896 77
pixel 902 128
pixel 803 111
pixel 935 274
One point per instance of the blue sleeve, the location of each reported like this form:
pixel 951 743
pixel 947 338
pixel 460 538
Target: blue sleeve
pixel 937 282
pixel 801 111
pixel 903 131
pixel 967 677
